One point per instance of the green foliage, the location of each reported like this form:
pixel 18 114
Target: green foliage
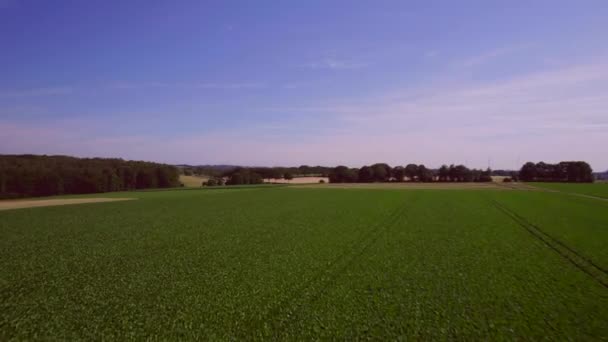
pixel 398 173
pixel 571 171
pixel 424 174
pixel 31 175
pixel 214 181
pixel 342 174
pixel 244 176
pixel 303 264
pixel 365 175
pixel 411 171
pixel 382 172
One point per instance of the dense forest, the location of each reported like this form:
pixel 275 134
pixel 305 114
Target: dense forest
pixel 570 171
pixel 34 175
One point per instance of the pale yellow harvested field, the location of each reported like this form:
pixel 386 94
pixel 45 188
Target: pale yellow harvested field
pixel 498 179
pixel 298 180
pixel 192 181
pixel 406 185
pixel 18 204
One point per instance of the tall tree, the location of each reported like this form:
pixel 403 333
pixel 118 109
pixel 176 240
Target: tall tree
pixel 365 175
pixel 288 176
pixel 342 174
pixel 411 172
pixel 424 174
pixel 399 173
pixel 382 172
pixel 444 173
pixel 528 172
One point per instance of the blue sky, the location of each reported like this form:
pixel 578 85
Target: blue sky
pixel 317 82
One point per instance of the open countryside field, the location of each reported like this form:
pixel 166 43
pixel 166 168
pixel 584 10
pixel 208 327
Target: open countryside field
pixel 308 263
pixel 417 186
pixel 598 189
pixel 32 203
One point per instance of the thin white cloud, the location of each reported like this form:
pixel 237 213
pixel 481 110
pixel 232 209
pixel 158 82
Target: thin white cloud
pixel 555 115
pixel 543 115
pixel 334 64
pixel 35 92
pixel 431 54
pixel 493 54
pixel 245 85
pixel 227 86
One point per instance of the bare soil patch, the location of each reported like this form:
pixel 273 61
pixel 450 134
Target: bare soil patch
pixel 18 204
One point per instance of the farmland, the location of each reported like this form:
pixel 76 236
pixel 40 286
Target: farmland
pixel 599 189
pixel 308 262
pixel 192 181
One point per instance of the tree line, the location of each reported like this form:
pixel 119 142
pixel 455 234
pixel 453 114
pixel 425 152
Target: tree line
pixel 35 175
pixel 264 172
pixel 382 172
pixel 566 171
pixel 256 175
pixel 251 175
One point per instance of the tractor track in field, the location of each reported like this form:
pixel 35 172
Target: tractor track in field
pixel 313 288
pixel 583 263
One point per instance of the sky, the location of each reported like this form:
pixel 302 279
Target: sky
pixel 269 83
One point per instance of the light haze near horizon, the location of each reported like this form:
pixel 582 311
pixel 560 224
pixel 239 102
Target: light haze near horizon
pixel 319 82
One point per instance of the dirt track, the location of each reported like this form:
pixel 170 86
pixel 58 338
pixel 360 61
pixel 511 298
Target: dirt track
pixel 18 204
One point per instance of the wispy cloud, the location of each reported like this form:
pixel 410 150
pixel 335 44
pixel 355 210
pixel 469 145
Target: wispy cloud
pixel 35 92
pixel 334 64
pixel 431 54
pixel 553 115
pixel 493 54
pixel 203 85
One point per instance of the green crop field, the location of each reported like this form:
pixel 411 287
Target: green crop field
pixel 599 189
pixel 285 263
